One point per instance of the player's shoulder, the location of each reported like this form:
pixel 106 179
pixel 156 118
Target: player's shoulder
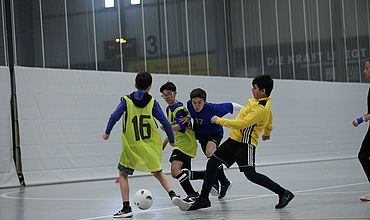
pixel 218 105
pixel 178 105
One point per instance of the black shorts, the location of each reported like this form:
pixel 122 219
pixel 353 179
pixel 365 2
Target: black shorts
pixel 232 151
pixel 180 156
pixel 216 138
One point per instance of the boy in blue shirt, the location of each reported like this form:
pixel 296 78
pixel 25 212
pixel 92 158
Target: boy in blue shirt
pixel 208 134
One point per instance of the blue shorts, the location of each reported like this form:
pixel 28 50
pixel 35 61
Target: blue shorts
pixel 124 169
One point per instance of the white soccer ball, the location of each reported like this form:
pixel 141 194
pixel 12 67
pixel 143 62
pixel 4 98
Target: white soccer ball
pixel 143 199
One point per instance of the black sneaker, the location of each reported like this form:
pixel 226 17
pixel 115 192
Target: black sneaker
pixel 200 203
pixel 224 189
pixel 125 212
pixel 191 198
pixel 284 199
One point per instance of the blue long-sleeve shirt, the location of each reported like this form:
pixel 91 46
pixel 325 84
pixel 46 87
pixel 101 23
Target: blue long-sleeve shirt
pixel 157 113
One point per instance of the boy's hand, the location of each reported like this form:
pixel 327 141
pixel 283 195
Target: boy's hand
pixel 358 120
pixel 367 117
pixel 105 136
pixel 172 144
pixel 214 118
pixel 164 144
pixel 265 138
pixel 185 120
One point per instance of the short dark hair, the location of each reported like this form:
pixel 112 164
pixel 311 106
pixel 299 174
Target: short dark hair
pixel 264 82
pixel 367 60
pixel 143 80
pixel 198 93
pixel 170 86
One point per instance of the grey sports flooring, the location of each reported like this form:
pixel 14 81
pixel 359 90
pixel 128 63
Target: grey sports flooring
pixel 324 190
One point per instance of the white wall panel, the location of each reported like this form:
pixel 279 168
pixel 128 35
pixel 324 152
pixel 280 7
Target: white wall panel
pixel 63 114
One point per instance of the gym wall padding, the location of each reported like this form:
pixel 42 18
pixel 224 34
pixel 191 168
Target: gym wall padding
pixel 63 114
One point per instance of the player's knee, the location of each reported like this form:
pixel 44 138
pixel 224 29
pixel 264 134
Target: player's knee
pixel 209 153
pixel 124 175
pixel 210 149
pixel 213 163
pixel 175 171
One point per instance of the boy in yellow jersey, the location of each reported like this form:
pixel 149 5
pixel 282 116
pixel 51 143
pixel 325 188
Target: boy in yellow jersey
pixel 186 145
pixel 240 147
pixel 141 141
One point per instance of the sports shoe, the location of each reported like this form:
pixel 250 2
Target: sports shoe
pixel 224 189
pixel 215 190
pixel 177 201
pixel 191 198
pixel 365 198
pixel 173 195
pixel 284 199
pixel 200 203
pixel 125 212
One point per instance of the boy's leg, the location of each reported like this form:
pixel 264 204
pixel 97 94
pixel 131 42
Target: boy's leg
pixel 175 199
pixel 363 156
pixel 197 175
pixel 124 186
pixel 221 177
pixel 183 176
pixel 209 179
pixel 209 149
pixel 163 181
pixel 285 196
pixel 223 154
pixel 246 161
pixel 126 210
pixel 262 180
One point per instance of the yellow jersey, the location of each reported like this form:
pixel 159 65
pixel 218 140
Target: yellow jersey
pixel 185 141
pixel 255 117
pixel 141 141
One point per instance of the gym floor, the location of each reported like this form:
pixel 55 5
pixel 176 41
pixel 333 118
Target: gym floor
pixel 324 190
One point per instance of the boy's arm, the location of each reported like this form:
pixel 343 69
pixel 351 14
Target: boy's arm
pixel 114 117
pixel 167 127
pixel 268 129
pixel 252 118
pixel 222 109
pixel 180 126
pixel 236 107
pixel 165 142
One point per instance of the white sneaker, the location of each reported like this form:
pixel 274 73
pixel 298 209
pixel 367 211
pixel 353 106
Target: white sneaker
pixel 183 206
pixel 365 198
pixel 215 190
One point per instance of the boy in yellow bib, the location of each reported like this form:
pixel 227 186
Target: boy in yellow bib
pixel 186 145
pixel 141 141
